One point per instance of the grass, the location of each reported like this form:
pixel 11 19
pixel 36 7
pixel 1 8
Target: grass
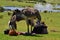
pixel 23 4
pixel 15 3
pixel 53 1
pixel 52 20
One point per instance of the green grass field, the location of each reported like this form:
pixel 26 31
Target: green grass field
pixel 52 20
pixel 53 1
pixel 23 4
pixel 15 3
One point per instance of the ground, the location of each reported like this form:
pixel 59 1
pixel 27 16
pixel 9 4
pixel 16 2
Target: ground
pixel 52 20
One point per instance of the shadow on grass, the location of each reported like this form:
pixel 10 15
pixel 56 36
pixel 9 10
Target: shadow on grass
pixel 33 35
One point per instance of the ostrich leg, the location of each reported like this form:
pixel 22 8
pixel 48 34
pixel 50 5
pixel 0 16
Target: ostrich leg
pixel 27 26
pixel 31 26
